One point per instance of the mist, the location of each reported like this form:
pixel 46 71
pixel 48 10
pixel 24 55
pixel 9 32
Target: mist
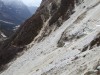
pixel 32 2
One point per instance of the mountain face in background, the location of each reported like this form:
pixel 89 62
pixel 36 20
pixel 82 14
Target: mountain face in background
pixel 12 13
pixel 61 38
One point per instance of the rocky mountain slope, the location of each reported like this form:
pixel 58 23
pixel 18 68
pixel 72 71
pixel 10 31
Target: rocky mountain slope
pixel 2 37
pixel 61 38
pixel 12 13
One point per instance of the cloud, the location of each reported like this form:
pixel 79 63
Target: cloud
pixel 32 2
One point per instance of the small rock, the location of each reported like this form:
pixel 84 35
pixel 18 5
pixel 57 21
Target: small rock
pixel 98 68
pixel 94 72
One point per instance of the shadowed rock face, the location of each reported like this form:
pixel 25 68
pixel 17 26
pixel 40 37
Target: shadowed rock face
pixel 31 28
pixel 62 11
pixel 29 31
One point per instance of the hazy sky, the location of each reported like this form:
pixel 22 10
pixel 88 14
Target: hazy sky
pixel 32 2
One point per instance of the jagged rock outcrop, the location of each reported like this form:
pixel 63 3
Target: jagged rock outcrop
pixel 2 36
pixel 64 39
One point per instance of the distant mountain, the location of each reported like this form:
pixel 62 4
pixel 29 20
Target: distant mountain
pixel 32 9
pixel 14 12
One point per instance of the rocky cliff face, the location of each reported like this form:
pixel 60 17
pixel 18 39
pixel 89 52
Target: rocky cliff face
pixel 61 38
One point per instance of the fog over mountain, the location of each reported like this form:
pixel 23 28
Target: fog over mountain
pixel 32 9
pixel 35 3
